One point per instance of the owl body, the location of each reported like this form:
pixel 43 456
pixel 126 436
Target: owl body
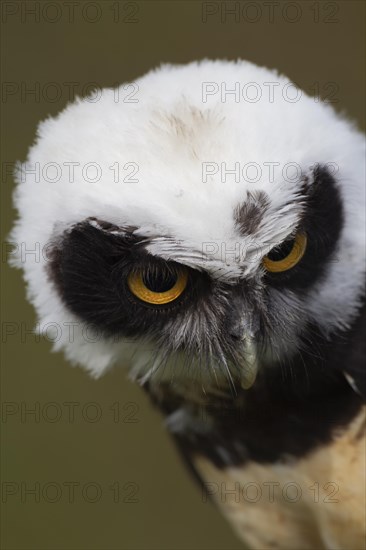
pixel 294 503
pixel 214 243
pixel 285 466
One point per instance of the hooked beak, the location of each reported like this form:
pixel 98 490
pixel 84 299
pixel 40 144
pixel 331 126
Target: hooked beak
pixel 244 329
pixel 249 364
pixel 249 369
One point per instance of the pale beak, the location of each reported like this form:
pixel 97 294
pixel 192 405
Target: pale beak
pixel 251 366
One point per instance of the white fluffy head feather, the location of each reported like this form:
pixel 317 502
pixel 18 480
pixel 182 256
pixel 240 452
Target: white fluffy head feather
pixel 171 149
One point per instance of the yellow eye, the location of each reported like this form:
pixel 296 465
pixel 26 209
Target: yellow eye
pixel 158 288
pixel 287 256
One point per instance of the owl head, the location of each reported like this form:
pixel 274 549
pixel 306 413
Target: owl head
pixel 196 224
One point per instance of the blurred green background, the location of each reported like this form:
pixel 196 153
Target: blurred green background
pixel 124 460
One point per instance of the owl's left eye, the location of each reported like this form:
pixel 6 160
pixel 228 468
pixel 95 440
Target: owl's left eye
pixel 158 287
pixel 287 255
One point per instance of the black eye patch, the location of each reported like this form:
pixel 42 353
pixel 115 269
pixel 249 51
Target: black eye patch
pixel 322 223
pixel 90 267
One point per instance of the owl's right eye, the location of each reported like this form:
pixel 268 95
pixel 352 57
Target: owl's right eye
pixel 157 287
pixel 108 280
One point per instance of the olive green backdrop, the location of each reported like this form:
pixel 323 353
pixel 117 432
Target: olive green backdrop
pixel 107 476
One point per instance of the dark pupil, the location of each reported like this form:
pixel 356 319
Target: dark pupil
pixel 281 252
pixel 160 282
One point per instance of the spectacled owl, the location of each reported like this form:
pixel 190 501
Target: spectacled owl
pixel 209 231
